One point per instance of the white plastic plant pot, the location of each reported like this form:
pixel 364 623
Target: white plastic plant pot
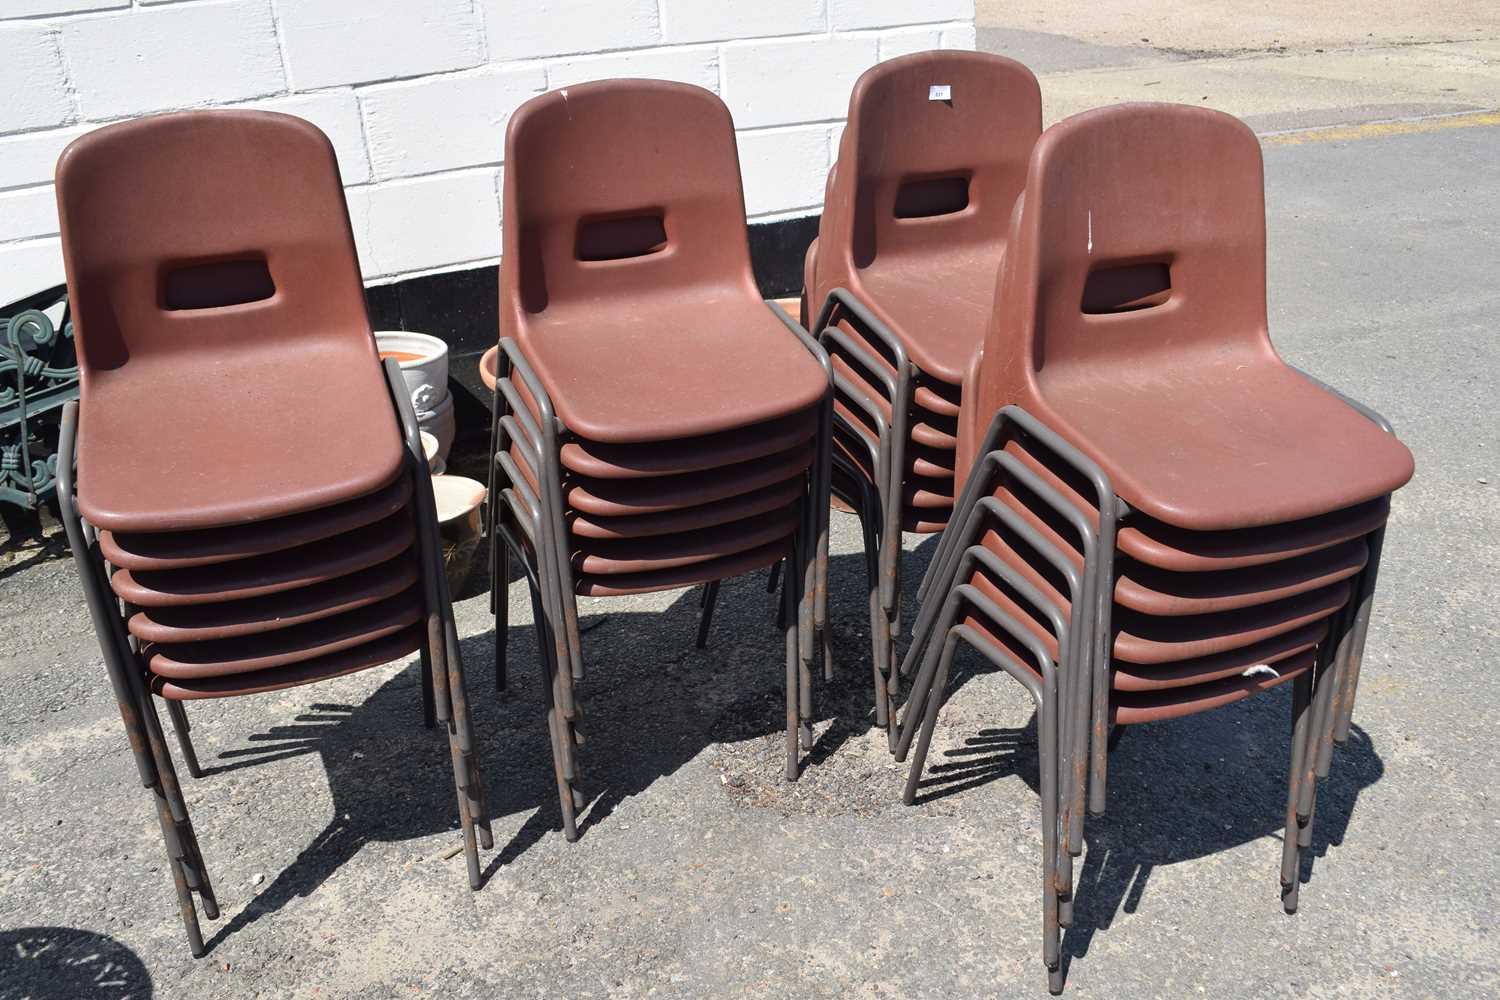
pixel 458 502
pixel 430 450
pixel 424 365
pixel 439 423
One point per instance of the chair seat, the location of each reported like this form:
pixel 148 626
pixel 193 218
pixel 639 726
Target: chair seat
pixel 665 552
pixel 1153 543
pixel 939 304
pixel 668 522
pixel 178 446
pixel 348 661
pixel 1160 592
pixel 1136 707
pixel 1229 443
pixel 669 367
pixel 1160 545
pixel 281 571
pixel 622 497
pixel 1233 663
pixel 683 576
pixel 237 619
pixel 298 644
pixel 664 458
pixel 1148 639
pixel 1186 693
pixel 184 549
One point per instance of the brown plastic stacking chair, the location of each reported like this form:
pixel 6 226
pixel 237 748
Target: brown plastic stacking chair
pixel 252 509
pixel 903 277
pixel 657 424
pixel 1128 413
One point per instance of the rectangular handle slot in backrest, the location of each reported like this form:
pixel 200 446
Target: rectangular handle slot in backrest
pixel 932 196
pixel 620 237
pixel 1127 288
pixel 218 283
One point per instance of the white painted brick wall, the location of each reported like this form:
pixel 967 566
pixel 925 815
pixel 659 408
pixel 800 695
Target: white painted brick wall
pixel 332 42
pixel 172 57
pixel 415 94
pixel 32 78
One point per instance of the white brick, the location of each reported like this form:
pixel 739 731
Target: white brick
pixel 31 158
pixel 430 222
pixel 904 41
pixel 357 199
pixel 698 66
pixel 424 126
pixel 520 29
pixel 32 8
pixel 781 83
pixel 783 169
pixel 722 20
pixel 30 267
pixel 846 14
pixel 336 112
pixel 173 57
pixel 960 36
pixel 28 213
pixel 332 42
pixel 32 80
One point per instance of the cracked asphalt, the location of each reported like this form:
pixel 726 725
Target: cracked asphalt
pixel 328 818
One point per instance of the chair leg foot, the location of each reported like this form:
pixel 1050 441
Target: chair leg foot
pixel 1289 897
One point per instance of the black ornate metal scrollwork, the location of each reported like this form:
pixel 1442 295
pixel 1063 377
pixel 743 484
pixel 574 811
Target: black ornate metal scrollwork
pixel 38 374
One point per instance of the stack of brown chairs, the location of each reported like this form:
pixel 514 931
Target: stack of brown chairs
pixel 252 508
pixel 1222 513
pixel 903 275
pixel 657 425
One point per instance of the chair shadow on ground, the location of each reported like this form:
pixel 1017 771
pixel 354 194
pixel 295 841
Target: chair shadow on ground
pixel 1177 790
pixel 652 702
pixel 65 963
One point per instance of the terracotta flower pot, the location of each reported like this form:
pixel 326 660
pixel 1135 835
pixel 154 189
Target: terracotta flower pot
pixel 458 503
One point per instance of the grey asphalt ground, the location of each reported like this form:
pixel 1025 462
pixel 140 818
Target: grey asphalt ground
pixel 700 873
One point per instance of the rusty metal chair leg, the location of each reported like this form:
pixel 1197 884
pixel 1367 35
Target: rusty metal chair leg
pixel 550 667
pixel 806 609
pixel 130 695
pixel 429 703
pixel 183 729
pixel 500 568
pixel 1291 856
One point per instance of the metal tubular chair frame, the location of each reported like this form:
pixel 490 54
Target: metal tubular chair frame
pixel 1073 654
pixel 137 704
pixel 888 468
pixel 1041 683
pixel 539 442
pixel 1111 511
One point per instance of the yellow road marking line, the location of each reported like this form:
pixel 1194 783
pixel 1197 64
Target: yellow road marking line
pixel 1379 130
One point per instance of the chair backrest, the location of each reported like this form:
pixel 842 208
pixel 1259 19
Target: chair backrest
pixel 617 189
pixel 933 155
pixel 1140 235
pixel 205 231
